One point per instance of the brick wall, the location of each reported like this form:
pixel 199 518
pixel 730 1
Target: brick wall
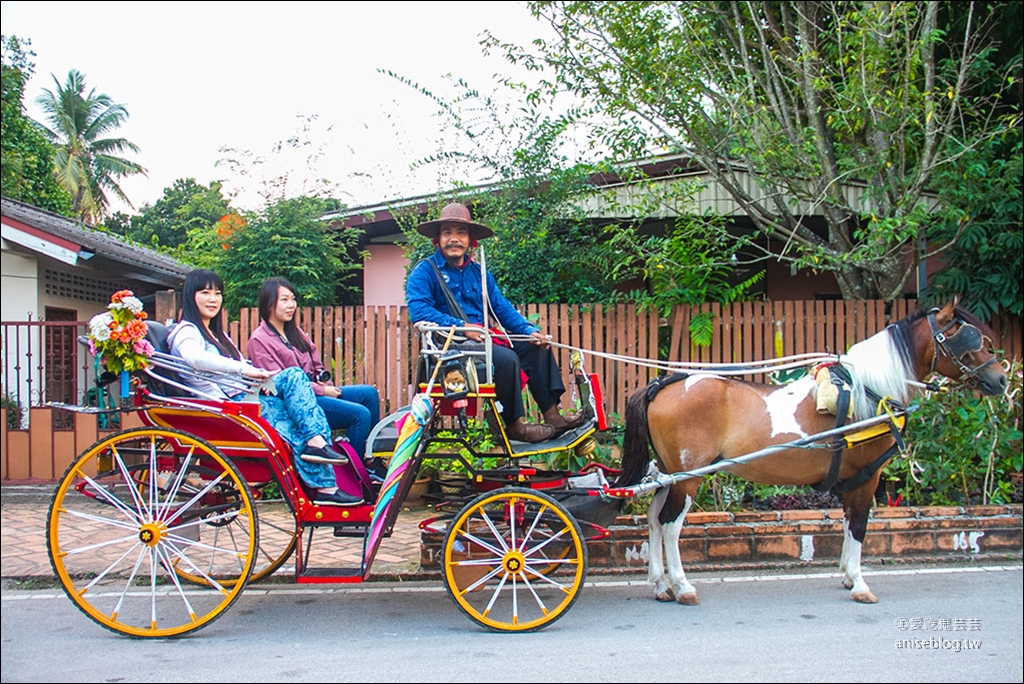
pixel 761 539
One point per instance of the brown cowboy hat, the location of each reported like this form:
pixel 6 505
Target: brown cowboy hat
pixel 454 213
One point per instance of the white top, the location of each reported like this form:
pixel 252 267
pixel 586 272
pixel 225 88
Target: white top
pixel 185 340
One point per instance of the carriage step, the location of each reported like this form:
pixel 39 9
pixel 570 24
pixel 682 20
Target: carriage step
pixel 323 575
pixel 351 530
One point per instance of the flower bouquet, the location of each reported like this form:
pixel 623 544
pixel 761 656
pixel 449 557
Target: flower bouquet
pixel 119 335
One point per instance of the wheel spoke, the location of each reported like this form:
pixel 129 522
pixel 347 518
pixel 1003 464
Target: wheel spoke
pixel 174 492
pixel 128 583
pixel 99 577
pixel 509 542
pixel 101 491
pixel 498 537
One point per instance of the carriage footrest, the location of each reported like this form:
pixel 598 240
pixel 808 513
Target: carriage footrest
pixel 323 575
pixel 350 530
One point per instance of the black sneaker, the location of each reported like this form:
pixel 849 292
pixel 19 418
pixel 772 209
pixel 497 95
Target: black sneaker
pixel 338 498
pixel 323 454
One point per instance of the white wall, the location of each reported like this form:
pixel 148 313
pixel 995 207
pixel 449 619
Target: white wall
pixel 20 285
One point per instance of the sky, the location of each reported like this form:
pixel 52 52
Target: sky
pixel 197 77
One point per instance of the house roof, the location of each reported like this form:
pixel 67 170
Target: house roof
pixel 613 201
pixel 78 244
pixel 379 224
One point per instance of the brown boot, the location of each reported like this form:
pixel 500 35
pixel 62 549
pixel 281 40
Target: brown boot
pixel 521 431
pixel 560 423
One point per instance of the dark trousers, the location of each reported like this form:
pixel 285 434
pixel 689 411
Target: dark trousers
pixel 545 380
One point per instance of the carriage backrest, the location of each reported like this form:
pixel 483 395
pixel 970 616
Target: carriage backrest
pixel 156 334
pixel 474 359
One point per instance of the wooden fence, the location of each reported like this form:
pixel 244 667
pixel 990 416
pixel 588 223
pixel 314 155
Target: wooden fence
pixel 378 346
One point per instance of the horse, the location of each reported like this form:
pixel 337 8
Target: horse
pixel 698 419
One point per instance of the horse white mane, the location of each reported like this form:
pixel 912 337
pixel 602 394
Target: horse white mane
pixel 881 365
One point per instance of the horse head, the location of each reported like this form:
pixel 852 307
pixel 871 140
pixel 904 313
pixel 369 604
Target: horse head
pixel 962 349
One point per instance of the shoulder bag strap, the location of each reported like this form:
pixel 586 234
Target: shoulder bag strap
pixel 454 308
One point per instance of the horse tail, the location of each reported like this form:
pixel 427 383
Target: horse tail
pixel 635 452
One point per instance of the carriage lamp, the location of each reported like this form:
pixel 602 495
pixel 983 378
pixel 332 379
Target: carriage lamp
pixel 453 380
pixel 585 448
pixel 456 384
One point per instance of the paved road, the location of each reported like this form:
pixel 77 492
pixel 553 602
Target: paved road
pixel 795 627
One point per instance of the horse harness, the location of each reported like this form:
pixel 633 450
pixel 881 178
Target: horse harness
pixel 841 378
pixel 966 340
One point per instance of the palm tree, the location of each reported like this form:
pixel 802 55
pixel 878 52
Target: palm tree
pixel 85 163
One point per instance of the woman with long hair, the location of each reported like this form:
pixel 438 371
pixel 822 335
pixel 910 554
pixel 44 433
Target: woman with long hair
pixel 278 343
pixel 199 339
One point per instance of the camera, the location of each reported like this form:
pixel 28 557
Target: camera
pixel 323 376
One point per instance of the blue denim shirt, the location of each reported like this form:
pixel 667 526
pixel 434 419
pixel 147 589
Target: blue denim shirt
pixel 425 299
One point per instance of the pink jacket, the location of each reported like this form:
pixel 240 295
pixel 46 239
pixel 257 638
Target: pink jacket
pixel 267 350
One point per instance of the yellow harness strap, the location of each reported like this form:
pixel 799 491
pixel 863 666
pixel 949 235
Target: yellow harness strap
pixel 879 430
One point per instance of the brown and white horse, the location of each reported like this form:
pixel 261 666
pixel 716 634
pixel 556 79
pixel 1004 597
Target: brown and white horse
pixel 699 419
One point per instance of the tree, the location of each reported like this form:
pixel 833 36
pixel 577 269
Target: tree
pixel 286 239
pixel 184 206
pixel 546 247
pixel 543 248
pixel 982 212
pixel 984 223
pixel 27 156
pixel 86 164
pixel 848 107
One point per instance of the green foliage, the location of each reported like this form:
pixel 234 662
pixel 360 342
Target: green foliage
pixel 13 411
pixel 285 239
pixel 27 156
pixel 847 107
pixel 543 248
pixel 721 492
pixel 87 165
pixel 983 220
pixel 185 206
pixel 963 449
pixel 477 435
pixel 693 262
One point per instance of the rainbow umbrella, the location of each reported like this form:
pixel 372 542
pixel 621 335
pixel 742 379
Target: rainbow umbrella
pixel 399 469
pixel 421 410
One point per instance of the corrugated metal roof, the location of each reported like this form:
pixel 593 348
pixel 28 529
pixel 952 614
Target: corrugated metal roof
pixel 139 262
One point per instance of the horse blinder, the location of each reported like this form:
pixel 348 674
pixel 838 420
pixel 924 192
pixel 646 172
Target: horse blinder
pixel 966 340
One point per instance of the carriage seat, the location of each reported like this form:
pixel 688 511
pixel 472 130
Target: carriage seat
pixel 156 335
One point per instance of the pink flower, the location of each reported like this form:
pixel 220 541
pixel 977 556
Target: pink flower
pixel 143 347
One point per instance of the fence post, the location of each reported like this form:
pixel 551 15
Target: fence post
pixel 166 307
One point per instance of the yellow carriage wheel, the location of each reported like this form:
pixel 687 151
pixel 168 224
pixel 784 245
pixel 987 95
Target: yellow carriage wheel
pixel 118 541
pixel 514 560
pixel 279 533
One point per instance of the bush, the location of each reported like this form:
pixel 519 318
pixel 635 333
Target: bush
pixel 962 449
pixel 13 411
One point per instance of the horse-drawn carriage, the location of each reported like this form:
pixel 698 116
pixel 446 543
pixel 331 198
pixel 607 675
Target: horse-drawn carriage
pixel 156 531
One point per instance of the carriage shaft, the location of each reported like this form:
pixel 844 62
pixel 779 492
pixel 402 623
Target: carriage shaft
pixel 811 441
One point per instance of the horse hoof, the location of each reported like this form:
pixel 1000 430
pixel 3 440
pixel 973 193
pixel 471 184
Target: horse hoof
pixel 864 597
pixel 847 583
pixel 688 599
pixel 665 596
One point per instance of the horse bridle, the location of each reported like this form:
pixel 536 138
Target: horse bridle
pixel 966 340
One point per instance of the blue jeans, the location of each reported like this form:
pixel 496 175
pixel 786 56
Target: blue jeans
pixel 357 411
pixel 295 415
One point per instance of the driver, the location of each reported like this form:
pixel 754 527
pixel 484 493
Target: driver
pixel 452 267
